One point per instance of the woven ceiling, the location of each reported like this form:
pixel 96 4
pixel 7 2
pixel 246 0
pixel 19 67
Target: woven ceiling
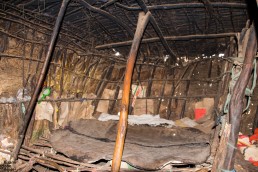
pixel 206 24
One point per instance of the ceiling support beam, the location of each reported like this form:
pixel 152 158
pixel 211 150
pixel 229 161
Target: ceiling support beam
pixel 185 5
pixel 107 15
pixel 168 38
pixel 33 101
pixel 72 12
pixel 108 3
pixel 122 124
pixel 158 30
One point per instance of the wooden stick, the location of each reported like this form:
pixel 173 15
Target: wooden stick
pixel 156 111
pixel 70 47
pixel 122 125
pixel 173 90
pixel 182 113
pixel 113 103
pixel 103 85
pixel 236 103
pixel 41 79
pixel 107 15
pixel 186 5
pixel 62 73
pixel 26 58
pixel 87 76
pixel 73 99
pixel 158 30
pixel 150 80
pixel 57 157
pixel 218 107
pixel 108 3
pixel 32 24
pixel 167 38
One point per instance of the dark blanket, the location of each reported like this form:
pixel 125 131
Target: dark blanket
pixel 146 147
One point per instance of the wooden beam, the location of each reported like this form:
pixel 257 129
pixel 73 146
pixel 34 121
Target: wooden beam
pixel 108 3
pixel 236 103
pixel 158 30
pixel 182 113
pixel 122 125
pixel 68 31
pixel 149 86
pixel 173 89
pixel 156 111
pixel 41 79
pixel 102 84
pixel 167 38
pixel 113 102
pixel 107 15
pixel 185 5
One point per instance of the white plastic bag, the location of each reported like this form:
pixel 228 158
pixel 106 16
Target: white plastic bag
pixel 44 110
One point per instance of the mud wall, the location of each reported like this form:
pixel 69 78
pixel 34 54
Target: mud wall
pixel 85 83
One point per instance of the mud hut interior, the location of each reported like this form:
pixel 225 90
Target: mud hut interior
pixel 128 85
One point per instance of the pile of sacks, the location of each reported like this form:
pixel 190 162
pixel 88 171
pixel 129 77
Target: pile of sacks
pixel 248 146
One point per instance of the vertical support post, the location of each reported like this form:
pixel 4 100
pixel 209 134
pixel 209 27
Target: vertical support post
pixel 162 92
pixel 236 103
pixel 218 144
pixel 40 55
pixel 103 84
pixel 182 113
pixel 148 92
pixel 158 30
pixel 31 54
pixel 113 103
pixel 93 66
pixel 209 74
pixel 62 73
pixel 41 79
pixel 122 125
pixel 174 90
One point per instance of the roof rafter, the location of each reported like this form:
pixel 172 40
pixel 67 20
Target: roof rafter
pixel 168 38
pixel 157 29
pixel 185 5
pixel 107 15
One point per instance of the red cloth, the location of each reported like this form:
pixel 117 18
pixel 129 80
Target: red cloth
pixel 255 163
pixel 256 131
pixel 255 136
pixel 199 113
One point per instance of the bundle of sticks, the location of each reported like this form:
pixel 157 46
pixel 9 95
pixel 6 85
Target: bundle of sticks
pixel 42 156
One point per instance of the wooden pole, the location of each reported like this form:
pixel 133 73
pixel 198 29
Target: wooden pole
pixel 236 103
pixel 182 113
pixel 103 84
pixel 162 92
pixel 185 6
pixel 148 91
pixel 113 102
pixel 107 15
pixel 158 30
pixel 173 90
pixel 122 125
pixel 41 79
pixel 167 38
pixel 218 142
